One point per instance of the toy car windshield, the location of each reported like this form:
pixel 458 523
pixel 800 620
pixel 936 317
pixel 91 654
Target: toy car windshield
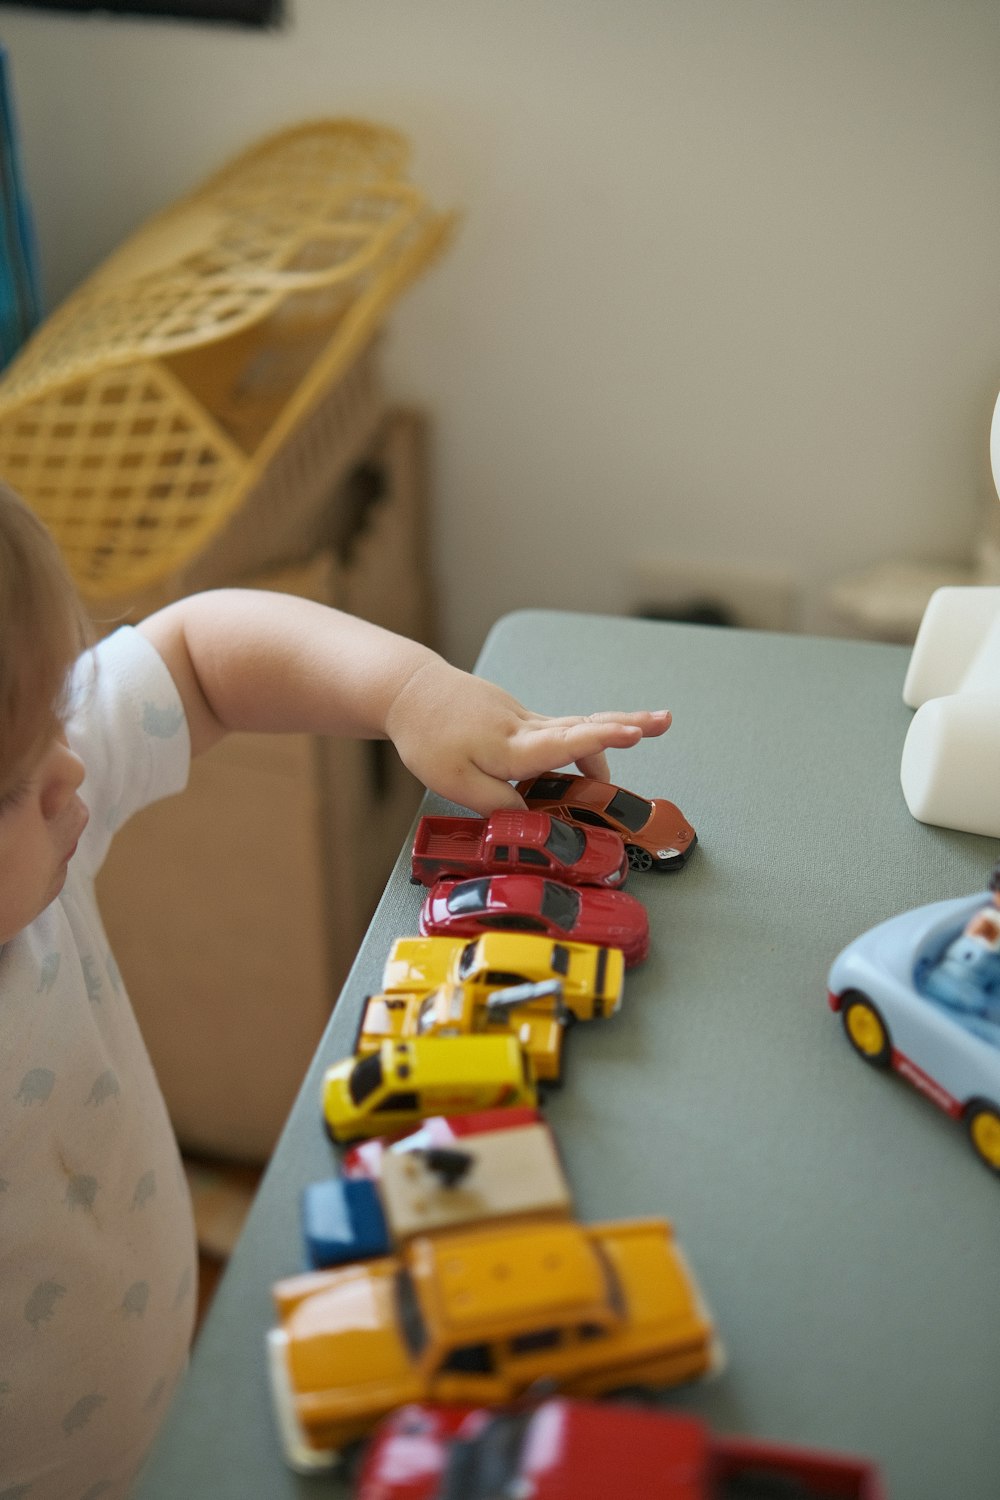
pixel 468 897
pixel 409 1313
pixel 366 1077
pixel 467 962
pixel 428 1013
pixel 558 963
pixel 549 788
pixel 565 842
pixel 502 978
pixel 634 812
pixel 488 1465
pixel 561 904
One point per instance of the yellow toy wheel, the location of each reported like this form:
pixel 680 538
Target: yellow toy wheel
pixel 983 1124
pixel 866 1030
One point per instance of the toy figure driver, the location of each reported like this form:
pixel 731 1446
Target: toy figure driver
pixel 967 976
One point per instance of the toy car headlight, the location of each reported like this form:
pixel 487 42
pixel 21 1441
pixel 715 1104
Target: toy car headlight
pixel 667 853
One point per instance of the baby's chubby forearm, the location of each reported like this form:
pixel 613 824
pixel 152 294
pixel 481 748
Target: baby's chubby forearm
pixel 251 660
pixel 247 659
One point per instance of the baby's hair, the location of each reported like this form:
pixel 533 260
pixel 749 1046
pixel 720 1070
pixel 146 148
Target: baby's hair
pixel 43 629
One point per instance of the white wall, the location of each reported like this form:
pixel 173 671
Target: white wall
pixel 726 286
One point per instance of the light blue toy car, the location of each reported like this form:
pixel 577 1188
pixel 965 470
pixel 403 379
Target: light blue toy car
pixel 920 994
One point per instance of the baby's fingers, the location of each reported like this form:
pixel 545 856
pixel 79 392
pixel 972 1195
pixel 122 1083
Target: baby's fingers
pixel 595 766
pixel 650 721
pixel 557 742
pixel 478 791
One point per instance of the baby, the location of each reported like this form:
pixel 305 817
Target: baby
pixel 97 1247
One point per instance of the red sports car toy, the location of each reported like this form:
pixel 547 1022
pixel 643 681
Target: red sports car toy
pixel 530 903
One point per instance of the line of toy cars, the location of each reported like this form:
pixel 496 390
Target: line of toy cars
pixel 451 1289
pixel 480 1033
pixel 471 1015
pixel 450 1268
pixel 439 1336
pixel 652 831
pixel 466 1024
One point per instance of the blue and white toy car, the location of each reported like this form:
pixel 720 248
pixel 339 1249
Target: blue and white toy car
pixel 921 996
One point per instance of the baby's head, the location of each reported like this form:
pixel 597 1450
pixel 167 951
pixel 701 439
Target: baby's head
pixel 43 629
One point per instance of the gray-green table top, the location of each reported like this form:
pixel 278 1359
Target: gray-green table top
pixel 844 1236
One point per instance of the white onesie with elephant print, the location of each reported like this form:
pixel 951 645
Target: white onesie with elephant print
pixel 97 1248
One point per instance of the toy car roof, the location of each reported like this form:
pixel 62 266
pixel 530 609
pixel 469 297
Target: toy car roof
pixel 496 1281
pixel 427 1061
pixel 365 1158
pixel 490 950
pixel 629 808
pixel 510 1172
pixel 580 788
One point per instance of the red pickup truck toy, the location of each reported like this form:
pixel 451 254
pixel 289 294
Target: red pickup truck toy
pixel 587 1450
pixel 517 842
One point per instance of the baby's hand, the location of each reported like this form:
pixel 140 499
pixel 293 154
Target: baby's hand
pixel 467 739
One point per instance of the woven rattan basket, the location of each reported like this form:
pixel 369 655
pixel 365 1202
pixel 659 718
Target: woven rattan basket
pixel 197 369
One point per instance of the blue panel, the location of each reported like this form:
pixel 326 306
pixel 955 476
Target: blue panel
pixel 20 300
pixel 342 1220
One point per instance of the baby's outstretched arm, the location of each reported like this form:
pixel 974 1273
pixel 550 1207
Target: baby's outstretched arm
pixel 248 660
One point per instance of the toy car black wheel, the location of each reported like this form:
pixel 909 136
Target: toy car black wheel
pixel 865 1029
pixel 638 859
pixel 982 1121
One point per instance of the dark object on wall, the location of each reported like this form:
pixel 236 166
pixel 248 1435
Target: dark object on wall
pixel 20 299
pixel 235 12
pixel 691 612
